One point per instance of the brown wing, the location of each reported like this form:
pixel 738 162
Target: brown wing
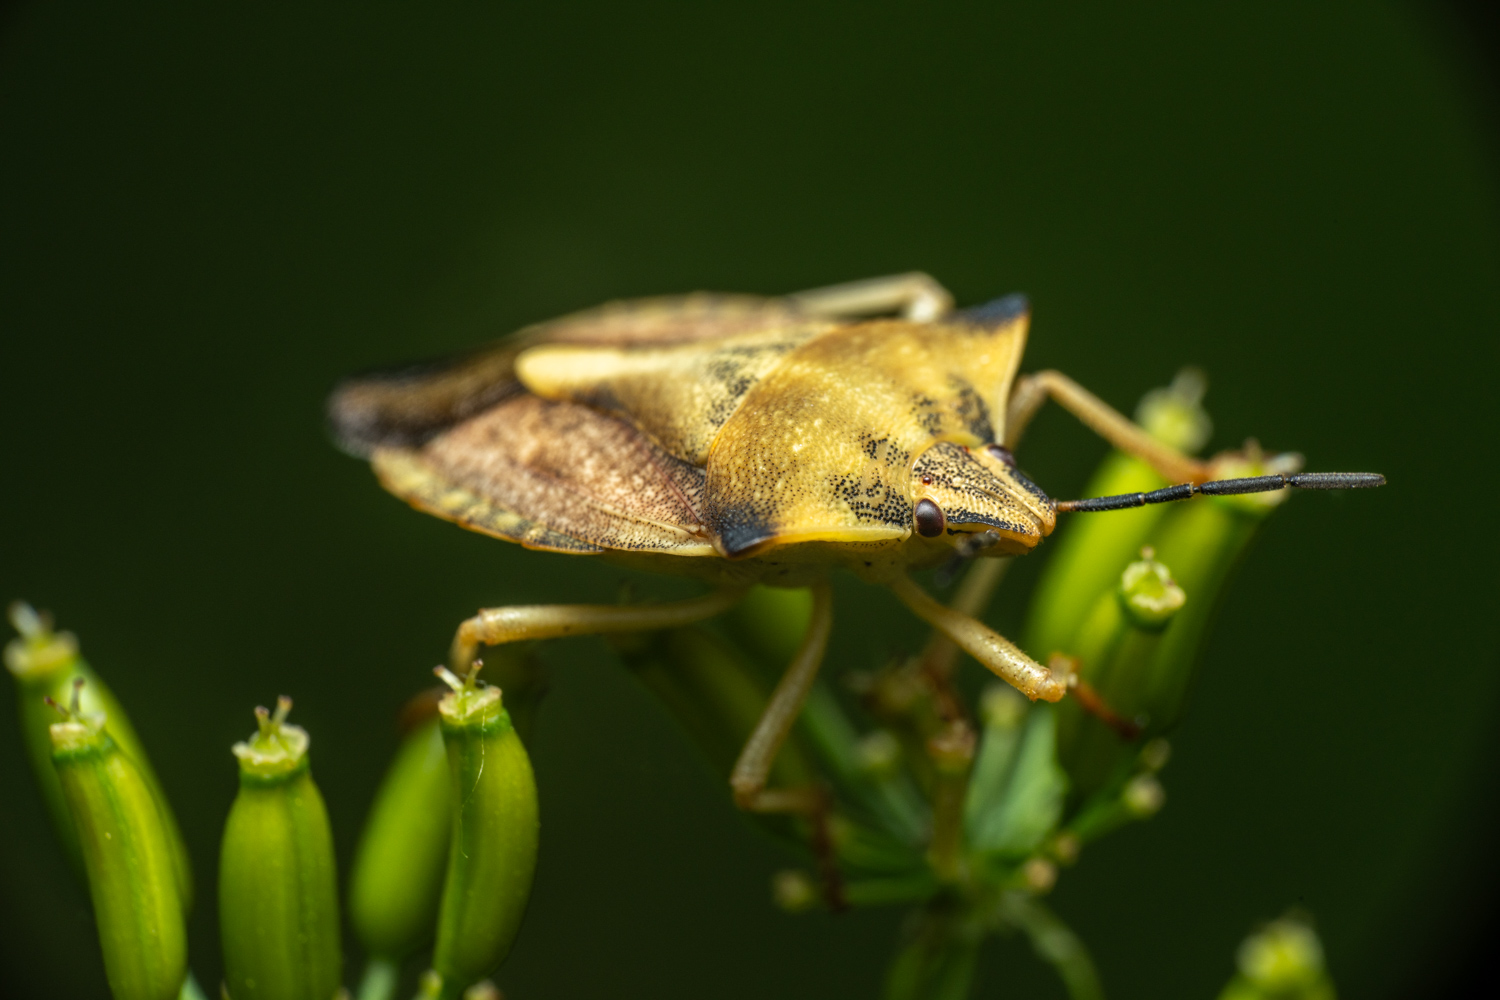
pixel 406 407
pixel 553 476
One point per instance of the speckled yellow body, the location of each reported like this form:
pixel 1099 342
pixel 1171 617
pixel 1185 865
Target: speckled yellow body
pixel 725 437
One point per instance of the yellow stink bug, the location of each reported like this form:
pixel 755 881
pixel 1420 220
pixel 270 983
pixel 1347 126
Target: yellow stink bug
pixel 753 440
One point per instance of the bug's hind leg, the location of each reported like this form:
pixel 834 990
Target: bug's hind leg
pixel 753 768
pixel 916 295
pixel 493 626
pixel 748 779
pixel 1031 391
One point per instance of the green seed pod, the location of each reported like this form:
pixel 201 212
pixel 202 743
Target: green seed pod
pixel 1115 652
pixel 278 899
pixel 397 879
pixel 46 664
pixel 1091 551
pixel 128 855
pixel 493 852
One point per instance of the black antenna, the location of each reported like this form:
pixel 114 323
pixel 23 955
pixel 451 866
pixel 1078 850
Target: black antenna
pixel 1230 487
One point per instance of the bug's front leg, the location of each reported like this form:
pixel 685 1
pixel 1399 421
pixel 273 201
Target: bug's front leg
pixel 918 297
pixel 1031 391
pixel 989 647
pixel 493 626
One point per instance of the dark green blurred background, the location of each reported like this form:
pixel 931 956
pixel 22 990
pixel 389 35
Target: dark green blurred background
pixel 208 216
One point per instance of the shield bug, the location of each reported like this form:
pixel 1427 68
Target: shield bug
pixel 868 426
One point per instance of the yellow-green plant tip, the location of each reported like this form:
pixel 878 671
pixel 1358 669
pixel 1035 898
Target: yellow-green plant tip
pixel 471 706
pixel 879 753
pixel 1149 594
pixel 1283 956
pixel 1253 461
pixel 1002 706
pixel 278 899
pixel 794 891
pixel 1143 796
pixel 1155 754
pixel 276 749
pixel 1174 415
pixel 1039 875
pixel 38 652
pixel 952 749
pixel 129 859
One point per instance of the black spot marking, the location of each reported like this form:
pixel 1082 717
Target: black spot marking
pixel 998 312
pixel 970 408
pixel 929 519
pixel 974 517
pixel 1001 454
pixel 741 529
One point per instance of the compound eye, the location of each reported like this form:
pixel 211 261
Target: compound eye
pixel 929 519
pixel 1001 454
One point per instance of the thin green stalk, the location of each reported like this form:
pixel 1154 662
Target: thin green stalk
pixel 1056 944
pixel 380 980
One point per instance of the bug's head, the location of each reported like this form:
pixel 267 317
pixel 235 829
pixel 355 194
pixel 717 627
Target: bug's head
pixel 958 493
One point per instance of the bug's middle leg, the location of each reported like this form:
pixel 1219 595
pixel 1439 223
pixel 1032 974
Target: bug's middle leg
pixel 918 296
pixel 493 626
pixel 1031 391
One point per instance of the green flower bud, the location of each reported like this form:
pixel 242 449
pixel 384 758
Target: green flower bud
pixel 128 856
pixel 795 891
pixel 397 879
pixel 1143 796
pixel 1148 593
pixel 879 754
pixel 1115 652
pixel 1138 648
pixel 46 664
pixel 493 852
pixel 1282 961
pixel 1090 551
pixel 278 897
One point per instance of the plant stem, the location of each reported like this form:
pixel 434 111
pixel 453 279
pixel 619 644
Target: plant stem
pixel 1056 944
pixel 379 982
pixel 190 988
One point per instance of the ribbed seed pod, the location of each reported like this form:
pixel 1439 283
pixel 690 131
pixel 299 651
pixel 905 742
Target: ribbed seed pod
pixel 128 856
pixel 46 664
pixel 1090 551
pixel 493 852
pixel 278 900
pixel 397 879
pixel 1115 651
